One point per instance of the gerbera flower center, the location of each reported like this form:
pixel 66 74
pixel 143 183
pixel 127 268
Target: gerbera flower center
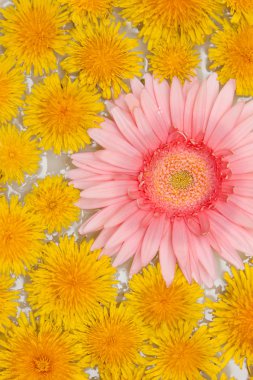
pixel 42 365
pixel 181 178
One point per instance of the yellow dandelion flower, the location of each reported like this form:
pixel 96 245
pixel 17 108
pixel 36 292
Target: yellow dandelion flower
pixel 71 282
pixel 232 56
pixel 233 317
pixel 60 112
pixel 85 11
pixel 104 57
pixel 177 58
pixel 38 350
pixel 12 81
pixel 192 19
pixel 155 303
pixel 8 300
pixel 21 235
pixel 112 340
pixel 240 10
pixel 181 355
pixel 53 201
pixel 32 31
pixel 18 154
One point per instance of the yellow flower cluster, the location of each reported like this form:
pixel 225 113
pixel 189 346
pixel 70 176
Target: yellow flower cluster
pixel 155 333
pixel 60 60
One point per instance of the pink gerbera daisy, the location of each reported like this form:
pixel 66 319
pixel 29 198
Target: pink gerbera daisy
pixel 175 177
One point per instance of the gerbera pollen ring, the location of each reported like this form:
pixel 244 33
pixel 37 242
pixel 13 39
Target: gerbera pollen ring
pixel 174 177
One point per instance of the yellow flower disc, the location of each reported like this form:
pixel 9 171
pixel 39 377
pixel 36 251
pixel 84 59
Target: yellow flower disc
pixel 232 56
pixel 60 112
pixel 71 283
pixel 32 31
pixel 38 350
pixel 18 154
pixel 180 355
pixel 233 317
pixel 174 59
pixel 151 300
pixel 53 201
pixel 103 57
pixel 12 89
pixel 8 300
pixel 21 234
pixel 85 11
pixel 112 340
pixel 158 19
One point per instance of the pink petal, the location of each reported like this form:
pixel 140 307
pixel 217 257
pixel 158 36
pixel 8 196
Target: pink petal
pixel 177 105
pixel 136 264
pixel 205 278
pixel 103 237
pixel 242 202
pixel 153 115
pixel 136 86
pixel 199 110
pixel 188 111
pixel 245 165
pixel 235 138
pixel 225 249
pixel 110 252
pixel 223 102
pixel 96 222
pixel 243 191
pixel 166 255
pixel 118 144
pixel 225 126
pixel 109 125
pixel 203 222
pixel 123 213
pixel 145 129
pixel 247 111
pixel 212 93
pixel 132 102
pixel 110 189
pixel 126 229
pixel 84 183
pixel 133 163
pixel 234 214
pixel 120 102
pixel 77 174
pixel 129 247
pixel 128 129
pixel 152 239
pixel 236 235
pixel 203 251
pixel 162 95
pixel 89 204
pixel 149 86
pixel 242 151
pixel 95 165
pixel 180 241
